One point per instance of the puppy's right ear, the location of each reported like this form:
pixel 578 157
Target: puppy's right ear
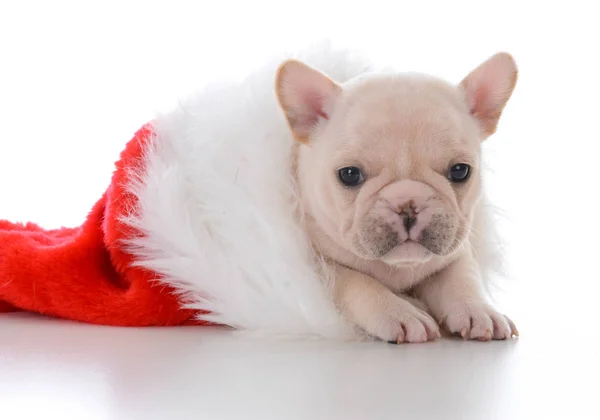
pixel 305 95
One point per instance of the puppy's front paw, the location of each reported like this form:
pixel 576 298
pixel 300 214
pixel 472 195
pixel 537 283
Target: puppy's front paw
pixel 479 322
pixel 401 322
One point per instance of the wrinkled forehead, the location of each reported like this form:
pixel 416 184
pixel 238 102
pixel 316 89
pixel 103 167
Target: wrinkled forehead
pixel 408 115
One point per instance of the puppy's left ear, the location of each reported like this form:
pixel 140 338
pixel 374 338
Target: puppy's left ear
pixel 488 88
pixel 305 95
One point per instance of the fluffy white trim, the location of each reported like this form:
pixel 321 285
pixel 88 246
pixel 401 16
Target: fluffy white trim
pixel 486 245
pixel 217 204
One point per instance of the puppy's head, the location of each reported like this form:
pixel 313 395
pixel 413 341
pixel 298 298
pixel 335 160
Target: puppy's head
pixel 389 165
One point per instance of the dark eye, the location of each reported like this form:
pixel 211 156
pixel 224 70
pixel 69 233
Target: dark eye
pixel 350 176
pixel 459 172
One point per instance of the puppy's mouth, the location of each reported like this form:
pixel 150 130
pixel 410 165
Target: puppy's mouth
pixel 408 252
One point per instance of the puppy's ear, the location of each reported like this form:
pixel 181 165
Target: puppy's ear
pixel 305 95
pixel 488 89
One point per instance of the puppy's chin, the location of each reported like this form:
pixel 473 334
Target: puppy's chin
pixel 406 254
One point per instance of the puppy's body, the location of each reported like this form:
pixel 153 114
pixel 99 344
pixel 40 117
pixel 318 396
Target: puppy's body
pixel 388 168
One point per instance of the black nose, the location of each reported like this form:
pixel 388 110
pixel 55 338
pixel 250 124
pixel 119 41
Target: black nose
pixel 408 214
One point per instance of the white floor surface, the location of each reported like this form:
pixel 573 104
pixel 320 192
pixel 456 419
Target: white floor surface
pixel 53 369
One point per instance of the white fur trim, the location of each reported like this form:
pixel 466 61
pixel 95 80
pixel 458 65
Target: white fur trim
pixel 216 209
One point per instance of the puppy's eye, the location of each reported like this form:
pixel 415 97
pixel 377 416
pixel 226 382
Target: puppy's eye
pixel 350 176
pixel 459 172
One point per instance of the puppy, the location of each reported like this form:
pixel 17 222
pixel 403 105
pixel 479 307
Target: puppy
pixel 389 174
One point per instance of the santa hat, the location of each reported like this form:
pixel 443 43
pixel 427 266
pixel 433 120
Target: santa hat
pixel 199 225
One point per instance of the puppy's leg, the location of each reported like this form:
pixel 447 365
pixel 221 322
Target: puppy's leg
pixel 374 308
pixel 455 297
pixel 417 303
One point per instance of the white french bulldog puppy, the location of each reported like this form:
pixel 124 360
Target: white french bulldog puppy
pixel 388 168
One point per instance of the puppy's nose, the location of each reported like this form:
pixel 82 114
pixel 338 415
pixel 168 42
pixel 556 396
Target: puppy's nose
pixel 408 212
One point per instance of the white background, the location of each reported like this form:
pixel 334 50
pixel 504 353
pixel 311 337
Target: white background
pixel 78 78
